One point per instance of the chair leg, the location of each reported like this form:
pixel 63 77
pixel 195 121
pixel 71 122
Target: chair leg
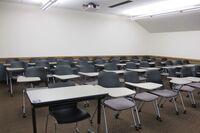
pixel 76 128
pixel 91 119
pixel 140 106
pixel 159 101
pixel 134 121
pixel 138 118
pixel 189 95
pixel 174 101
pixel 155 105
pixel 23 104
pixel 105 119
pixel 194 102
pixel 47 120
pixel 11 88
pixel 184 110
pixel 55 124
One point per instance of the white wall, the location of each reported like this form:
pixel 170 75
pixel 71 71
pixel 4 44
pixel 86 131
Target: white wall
pixel 27 31
pixel 175 44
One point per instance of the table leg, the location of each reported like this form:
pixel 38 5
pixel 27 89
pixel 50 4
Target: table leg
pixel 34 120
pixel 11 89
pixel 6 77
pixel 99 112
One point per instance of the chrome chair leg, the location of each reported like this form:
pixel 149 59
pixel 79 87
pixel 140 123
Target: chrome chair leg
pixel 140 106
pixel 155 105
pixel 91 119
pixel 184 110
pixel 134 121
pixel 11 87
pixel 23 104
pixel 105 119
pixel 174 101
pixel 47 120
pixel 138 118
pixel 194 102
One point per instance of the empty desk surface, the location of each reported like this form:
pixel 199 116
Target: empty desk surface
pixel 23 79
pixel 116 71
pixel 120 91
pixel 65 77
pixel 180 81
pixel 146 85
pixel 137 70
pixel 89 74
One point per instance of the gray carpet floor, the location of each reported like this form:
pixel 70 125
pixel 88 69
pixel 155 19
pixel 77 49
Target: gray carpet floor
pixel 11 120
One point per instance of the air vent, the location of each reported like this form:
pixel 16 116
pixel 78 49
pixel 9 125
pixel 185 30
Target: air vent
pixel 120 4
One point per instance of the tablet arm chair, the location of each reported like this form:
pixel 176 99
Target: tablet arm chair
pixel 155 76
pixel 133 77
pixel 187 72
pixel 110 80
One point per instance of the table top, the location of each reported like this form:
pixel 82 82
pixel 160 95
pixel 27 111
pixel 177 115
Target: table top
pixel 64 77
pixel 99 65
pixel 89 74
pixel 193 79
pixel 23 79
pixel 179 81
pixel 10 69
pixel 31 63
pixel 137 70
pixel 7 65
pixel 120 92
pixel 145 85
pixel 121 64
pixel 151 63
pixel 39 96
pixel 116 71
pixel 151 68
pixel 52 63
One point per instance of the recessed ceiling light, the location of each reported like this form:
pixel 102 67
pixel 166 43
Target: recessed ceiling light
pixel 161 7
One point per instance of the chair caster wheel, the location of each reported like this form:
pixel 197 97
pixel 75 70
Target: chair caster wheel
pixel 24 115
pixel 187 96
pixel 177 113
pixel 117 116
pixel 194 105
pixel 158 118
pixel 161 106
pixel 184 112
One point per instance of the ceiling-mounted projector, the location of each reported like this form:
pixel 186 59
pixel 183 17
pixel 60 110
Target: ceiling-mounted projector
pixel 91 6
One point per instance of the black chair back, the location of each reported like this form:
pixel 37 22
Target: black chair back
pixel 153 76
pixel 144 64
pixel 132 77
pixel 108 79
pixel 87 68
pixel 169 63
pixel 131 65
pixel 63 70
pixel 36 71
pixel 186 71
pixel 110 66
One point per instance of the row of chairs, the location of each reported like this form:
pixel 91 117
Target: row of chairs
pixel 111 80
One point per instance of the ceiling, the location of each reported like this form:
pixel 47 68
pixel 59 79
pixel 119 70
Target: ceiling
pixel 167 23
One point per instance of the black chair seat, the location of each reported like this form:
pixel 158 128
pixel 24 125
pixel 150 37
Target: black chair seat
pixel 69 115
